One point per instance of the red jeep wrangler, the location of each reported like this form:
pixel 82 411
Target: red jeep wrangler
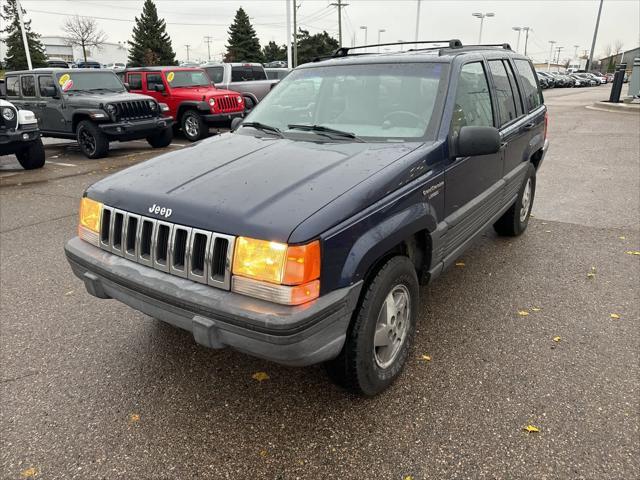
pixel 194 102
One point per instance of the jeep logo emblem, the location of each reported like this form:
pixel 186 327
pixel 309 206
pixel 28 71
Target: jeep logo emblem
pixel 162 211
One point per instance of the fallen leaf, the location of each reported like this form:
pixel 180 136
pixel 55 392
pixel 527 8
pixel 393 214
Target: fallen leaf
pixel 547 231
pixel 591 275
pixel 556 339
pixel 622 237
pixel 28 472
pixel 523 313
pixel 632 252
pixel 426 358
pixel 531 428
pixel 614 315
pixel 134 418
pixel 536 309
pixel 459 264
pixel 263 453
pixel 69 292
pixel 260 376
pixel 407 477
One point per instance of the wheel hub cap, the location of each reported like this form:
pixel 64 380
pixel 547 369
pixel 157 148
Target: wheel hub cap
pixel 526 201
pixel 191 126
pixel 392 326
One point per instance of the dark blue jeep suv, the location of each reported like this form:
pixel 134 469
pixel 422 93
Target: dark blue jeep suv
pixel 303 235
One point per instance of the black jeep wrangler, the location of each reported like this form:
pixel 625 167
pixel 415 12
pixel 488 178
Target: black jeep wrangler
pixel 91 106
pixel 302 236
pixel 19 135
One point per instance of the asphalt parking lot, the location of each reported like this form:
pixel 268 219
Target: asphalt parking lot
pixel 91 389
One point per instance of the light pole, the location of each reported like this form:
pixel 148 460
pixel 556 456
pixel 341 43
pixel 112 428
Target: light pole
pixel 575 51
pixel 482 16
pixel 526 38
pixel 380 32
pixel 364 27
pixel 552 42
pixel 595 35
pixel 519 30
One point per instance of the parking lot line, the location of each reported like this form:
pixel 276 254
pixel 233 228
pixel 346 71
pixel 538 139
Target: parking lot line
pixel 63 164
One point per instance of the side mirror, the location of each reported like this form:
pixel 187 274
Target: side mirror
pixel 235 123
pixel 126 86
pixel 473 141
pixel 158 87
pixel 49 91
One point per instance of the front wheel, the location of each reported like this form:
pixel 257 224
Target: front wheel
pixel 161 139
pixel 515 220
pixel 32 156
pixel 192 125
pixel 92 142
pixel 381 332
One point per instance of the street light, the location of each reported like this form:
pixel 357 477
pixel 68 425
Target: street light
pixel 364 27
pixel 482 16
pixel 381 31
pixel 552 42
pixel 519 30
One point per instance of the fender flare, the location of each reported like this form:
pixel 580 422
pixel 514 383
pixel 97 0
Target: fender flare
pixel 199 106
pixel 85 113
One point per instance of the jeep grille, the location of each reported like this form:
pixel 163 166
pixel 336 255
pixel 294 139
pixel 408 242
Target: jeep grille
pixel 198 255
pixel 227 104
pixel 134 110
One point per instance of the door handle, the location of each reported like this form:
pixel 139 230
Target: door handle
pixel 528 126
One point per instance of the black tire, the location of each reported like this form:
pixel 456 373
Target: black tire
pixel 93 143
pixel 249 104
pixel 357 368
pixel 161 139
pixel 511 224
pixel 31 156
pixel 193 128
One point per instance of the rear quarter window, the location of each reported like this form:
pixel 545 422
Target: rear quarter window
pixel 531 93
pixel 135 81
pixel 28 86
pixel 13 86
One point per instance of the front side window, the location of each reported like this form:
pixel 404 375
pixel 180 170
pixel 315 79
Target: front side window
pixel 135 81
pixel 44 82
pixel 378 102
pixel 13 86
pixel 28 86
pixel 473 101
pixel 215 74
pixel 504 94
pixel 188 78
pixel 531 92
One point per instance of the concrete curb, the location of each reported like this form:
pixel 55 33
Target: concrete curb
pixel 615 107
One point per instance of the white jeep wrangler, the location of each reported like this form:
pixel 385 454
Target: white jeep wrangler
pixel 19 135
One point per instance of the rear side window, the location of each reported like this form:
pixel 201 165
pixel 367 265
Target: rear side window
pixel 44 82
pixel 473 102
pixel 246 74
pixel 514 87
pixel 504 93
pixel 13 86
pixel 28 86
pixel 215 74
pixel 531 92
pixel 153 79
pixel 135 81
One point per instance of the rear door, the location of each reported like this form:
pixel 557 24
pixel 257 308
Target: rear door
pixel 473 185
pixel 134 79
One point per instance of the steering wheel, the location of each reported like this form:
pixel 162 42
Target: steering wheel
pixel 403 113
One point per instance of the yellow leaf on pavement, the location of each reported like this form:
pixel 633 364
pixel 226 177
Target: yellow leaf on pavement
pixel 536 309
pixel 260 376
pixel 134 418
pixel 614 315
pixel 459 264
pixel 556 339
pixel 426 358
pixel 531 428
pixel 632 252
pixel 29 472
pixel 523 313
pixel 591 275
pixel 263 453
pixel 407 477
pixel 622 237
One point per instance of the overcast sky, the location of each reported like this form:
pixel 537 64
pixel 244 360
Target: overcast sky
pixel 568 22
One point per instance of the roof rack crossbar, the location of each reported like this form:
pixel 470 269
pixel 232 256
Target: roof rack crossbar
pixel 344 51
pixel 504 46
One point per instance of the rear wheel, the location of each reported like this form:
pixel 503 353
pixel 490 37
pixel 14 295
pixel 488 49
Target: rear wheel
pixel 92 142
pixel 515 220
pixel 192 125
pixel 32 156
pixel 161 139
pixel 381 332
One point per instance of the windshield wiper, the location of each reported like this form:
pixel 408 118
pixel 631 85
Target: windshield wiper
pixel 264 127
pixel 325 130
pixel 102 88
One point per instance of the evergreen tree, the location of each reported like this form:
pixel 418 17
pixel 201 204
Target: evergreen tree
pixel 16 58
pixel 151 44
pixel 313 46
pixel 273 52
pixel 243 44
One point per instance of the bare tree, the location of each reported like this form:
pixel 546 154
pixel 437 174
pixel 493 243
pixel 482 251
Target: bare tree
pixel 607 50
pixel 83 32
pixel 617 46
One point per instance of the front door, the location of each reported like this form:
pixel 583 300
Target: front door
pixel 49 111
pixel 473 185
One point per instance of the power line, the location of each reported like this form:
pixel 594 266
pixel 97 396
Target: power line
pixel 187 45
pixel 340 6
pixel 208 41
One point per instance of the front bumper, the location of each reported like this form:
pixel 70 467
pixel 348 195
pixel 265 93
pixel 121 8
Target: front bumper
pixel 128 130
pixel 221 118
pixel 296 336
pixel 14 140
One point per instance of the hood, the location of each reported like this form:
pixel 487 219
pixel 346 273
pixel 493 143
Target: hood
pixel 243 185
pixel 193 93
pixel 96 98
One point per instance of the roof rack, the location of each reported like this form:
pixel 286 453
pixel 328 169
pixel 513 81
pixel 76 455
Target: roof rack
pixel 344 51
pixel 504 46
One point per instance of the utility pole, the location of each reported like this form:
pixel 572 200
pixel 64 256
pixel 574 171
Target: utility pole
pixel 288 4
pixel 187 45
pixel 552 42
pixel 380 32
pixel 208 41
pixel 558 49
pixel 417 36
pixel 595 35
pixel 340 6
pixel 24 35
pixel 526 38
pixel 295 34
pixel 575 51
pixel 519 30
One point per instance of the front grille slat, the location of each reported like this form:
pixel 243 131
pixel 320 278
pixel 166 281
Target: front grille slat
pixel 133 110
pixel 199 255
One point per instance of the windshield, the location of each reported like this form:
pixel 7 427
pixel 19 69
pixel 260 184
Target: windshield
pixel 215 73
pixel 75 81
pixel 188 78
pixel 378 102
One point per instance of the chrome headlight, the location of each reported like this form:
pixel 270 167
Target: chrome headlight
pixel 212 101
pixel 239 99
pixel 153 105
pixel 8 114
pixel 111 110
